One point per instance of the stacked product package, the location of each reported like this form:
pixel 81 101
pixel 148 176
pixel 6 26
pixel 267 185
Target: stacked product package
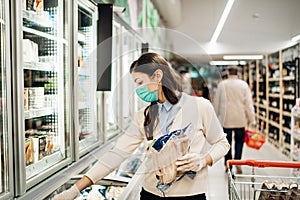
pixel 99 192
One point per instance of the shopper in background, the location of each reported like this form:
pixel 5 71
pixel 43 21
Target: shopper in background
pixel 203 91
pixel 169 109
pixel 185 80
pixel 234 107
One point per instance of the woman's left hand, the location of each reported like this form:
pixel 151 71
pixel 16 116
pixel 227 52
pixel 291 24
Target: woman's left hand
pixel 190 162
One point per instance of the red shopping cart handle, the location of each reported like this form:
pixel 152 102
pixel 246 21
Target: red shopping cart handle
pixel 263 163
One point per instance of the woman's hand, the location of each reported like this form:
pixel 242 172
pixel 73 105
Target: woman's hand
pixel 69 194
pixel 191 162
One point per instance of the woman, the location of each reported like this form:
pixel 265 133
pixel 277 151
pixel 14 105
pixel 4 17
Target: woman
pixel 169 110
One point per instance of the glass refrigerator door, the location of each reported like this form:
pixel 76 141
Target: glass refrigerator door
pixel 112 99
pixel 87 80
pixel 46 86
pixel 5 137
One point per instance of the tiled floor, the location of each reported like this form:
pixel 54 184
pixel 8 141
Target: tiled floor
pixel 217 181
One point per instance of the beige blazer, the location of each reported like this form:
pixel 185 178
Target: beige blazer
pixel 233 103
pixel 206 136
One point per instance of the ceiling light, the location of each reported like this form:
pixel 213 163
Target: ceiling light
pixel 222 21
pixel 243 57
pixel 226 62
pixel 296 38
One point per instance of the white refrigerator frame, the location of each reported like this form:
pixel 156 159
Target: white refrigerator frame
pixel 93 9
pixel 21 184
pixel 8 129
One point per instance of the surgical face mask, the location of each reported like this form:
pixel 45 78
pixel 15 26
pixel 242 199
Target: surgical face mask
pixel 146 95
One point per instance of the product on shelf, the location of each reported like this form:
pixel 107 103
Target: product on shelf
pixel 39 6
pixel 28 4
pixel 36 99
pixel 25 99
pixel 38 144
pixel 34 5
pixel 28 151
pixel 30 51
pixel 99 192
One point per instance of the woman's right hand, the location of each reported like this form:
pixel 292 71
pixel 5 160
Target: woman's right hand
pixel 69 194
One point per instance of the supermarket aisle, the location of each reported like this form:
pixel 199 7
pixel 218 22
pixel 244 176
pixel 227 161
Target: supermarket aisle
pixel 217 179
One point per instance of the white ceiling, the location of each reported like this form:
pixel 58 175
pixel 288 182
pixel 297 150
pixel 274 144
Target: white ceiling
pixel 253 26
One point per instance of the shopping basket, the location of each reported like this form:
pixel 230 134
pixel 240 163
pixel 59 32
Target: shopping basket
pixel 254 139
pixel 261 186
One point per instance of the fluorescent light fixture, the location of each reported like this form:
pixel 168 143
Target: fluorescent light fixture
pixel 222 21
pixel 226 62
pixel 243 57
pixel 296 38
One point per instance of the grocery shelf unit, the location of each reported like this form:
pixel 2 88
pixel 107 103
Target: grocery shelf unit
pixel 274 74
pixel 275 88
pixel 295 140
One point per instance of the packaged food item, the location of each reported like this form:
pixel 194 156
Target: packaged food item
pixel 35 149
pixel 36 98
pixel 30 51
pixel 39 6
pixel 49 144
pixel 79 57
pixel 25 99
pixel 28 4
pixel 42 146
pixel 165 151
pixel 28 151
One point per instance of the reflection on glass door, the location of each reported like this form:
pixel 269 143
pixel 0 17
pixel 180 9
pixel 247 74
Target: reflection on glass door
pixel 87 71
pixel 46 84
pixel 5 181
pixel 112 98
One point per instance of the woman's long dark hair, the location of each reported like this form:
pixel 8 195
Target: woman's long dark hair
pixel 148 63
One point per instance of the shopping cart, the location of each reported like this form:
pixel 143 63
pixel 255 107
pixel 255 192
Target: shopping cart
pixel 260 186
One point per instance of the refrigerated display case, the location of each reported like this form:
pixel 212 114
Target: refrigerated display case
pixel 124 182
pixel 41 66
pixel 88 135
pixel 6 187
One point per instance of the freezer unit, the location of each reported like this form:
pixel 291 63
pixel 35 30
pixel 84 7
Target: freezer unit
pixel 41 83
pixel 6 181
pixel 86 68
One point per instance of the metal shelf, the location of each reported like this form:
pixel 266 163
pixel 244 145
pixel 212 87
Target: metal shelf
pixel 274 79
pixel 34 113
pixel 286 145
pixel 41 20
pixel 261 118
pixel 289 97
pixel 261 106
pixel 45 35
pixel 274 109
pixel 288 78
pixel 286 129
pixel 286 113
pixel 41 66
pixel 274 142
pixel 295 135
pixel 274 95
pixel 275 124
